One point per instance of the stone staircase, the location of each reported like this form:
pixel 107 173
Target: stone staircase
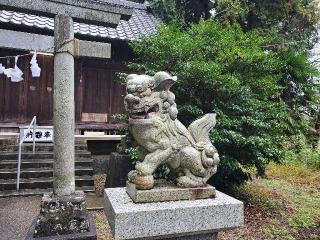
pixel 36 175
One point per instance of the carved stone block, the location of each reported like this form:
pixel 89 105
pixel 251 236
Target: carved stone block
pixel 167 191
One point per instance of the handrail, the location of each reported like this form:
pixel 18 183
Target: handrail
pixel 33 122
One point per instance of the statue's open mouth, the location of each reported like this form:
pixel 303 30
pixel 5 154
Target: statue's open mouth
pixel 145 112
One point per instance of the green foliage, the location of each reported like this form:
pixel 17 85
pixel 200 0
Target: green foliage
pixel 290 21
pixel 225 70
pixel 134 154
pixel 122 77
pixel 161 172
pixel 164 9
pixel 183 11
pixel 300 94
pixel 121 117
pixel 299 153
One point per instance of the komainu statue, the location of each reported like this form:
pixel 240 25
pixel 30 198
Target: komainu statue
pixel 163 139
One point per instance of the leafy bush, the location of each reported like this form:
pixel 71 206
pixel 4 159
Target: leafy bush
pixel 299 153
pixel 225 70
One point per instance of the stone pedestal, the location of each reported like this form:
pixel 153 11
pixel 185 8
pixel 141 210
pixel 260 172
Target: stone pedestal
pixel 182 220
pixel 167 191
pixel 63 217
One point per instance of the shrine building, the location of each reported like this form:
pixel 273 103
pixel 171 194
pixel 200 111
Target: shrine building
pixel 98 92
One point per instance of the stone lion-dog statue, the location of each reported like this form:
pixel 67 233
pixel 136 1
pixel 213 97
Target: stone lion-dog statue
pixel 163 139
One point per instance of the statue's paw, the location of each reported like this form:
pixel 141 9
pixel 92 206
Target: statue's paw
pixel 143 169
pixel 187 182
pixel 141 182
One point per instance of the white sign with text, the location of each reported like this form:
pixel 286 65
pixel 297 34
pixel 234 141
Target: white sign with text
pixel 42 134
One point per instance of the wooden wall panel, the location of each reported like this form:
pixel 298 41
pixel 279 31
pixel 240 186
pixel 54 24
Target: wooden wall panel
pixel 117 94
pixel 11 92
pixel 102 91
pixel 97 90
pixel 78 89
pixel 23 93
pixel 46 89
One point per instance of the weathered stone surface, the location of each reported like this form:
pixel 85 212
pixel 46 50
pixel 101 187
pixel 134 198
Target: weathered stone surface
pixel 63 107
pixel 76 197
pixel 174 219
pixel 25 41
pixel 63 217
pixel 167 191
pixel 163 139
pixel 93 49
pixel 41 43
pixel 90 235
pixel 83 11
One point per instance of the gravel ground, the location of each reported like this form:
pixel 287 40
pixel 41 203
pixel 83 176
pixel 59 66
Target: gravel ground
pixel 16 215
pixel 102 226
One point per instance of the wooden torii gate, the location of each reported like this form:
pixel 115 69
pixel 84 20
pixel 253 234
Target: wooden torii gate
pixel 65 49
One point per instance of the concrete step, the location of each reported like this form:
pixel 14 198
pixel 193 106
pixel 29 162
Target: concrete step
pixel 41 183
pixel 37 191
pixel 42 147
pixel 40 163
pixel 40 172
pixel 5 155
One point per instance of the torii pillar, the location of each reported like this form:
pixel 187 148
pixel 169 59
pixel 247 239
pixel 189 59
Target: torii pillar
pixel 63 107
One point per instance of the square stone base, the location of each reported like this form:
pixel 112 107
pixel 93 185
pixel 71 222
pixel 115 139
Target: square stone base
pixel 166 191
pixel 63 217
pixel 186 220
pixel 90 235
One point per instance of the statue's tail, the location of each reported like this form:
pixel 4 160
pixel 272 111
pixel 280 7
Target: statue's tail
pixel 201 128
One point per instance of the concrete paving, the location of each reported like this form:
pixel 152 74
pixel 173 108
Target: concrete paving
pixel 16 215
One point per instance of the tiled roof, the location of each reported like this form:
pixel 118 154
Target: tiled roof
pixel 141 23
